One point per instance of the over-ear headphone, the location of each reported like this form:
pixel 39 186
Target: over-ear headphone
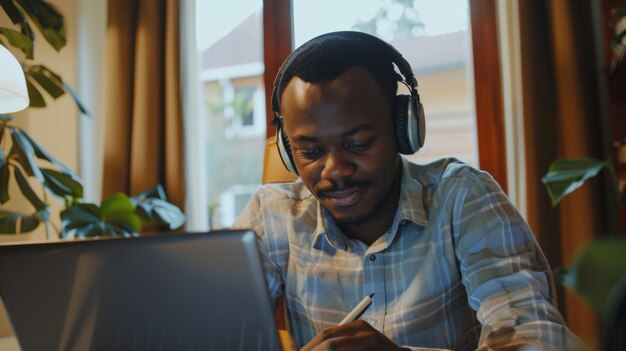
pixel 408 114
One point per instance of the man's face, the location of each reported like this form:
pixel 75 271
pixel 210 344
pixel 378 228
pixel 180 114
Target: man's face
pixel 343 145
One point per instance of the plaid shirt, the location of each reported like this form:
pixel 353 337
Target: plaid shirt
pixel 458 269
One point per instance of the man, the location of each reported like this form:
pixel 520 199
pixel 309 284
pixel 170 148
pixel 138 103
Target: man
pixel 450 263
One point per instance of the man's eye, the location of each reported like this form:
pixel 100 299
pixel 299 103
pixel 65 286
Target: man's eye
pixel 358 147
pixel 310 154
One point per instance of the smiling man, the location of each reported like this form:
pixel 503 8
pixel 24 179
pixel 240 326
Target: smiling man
pixel 450 263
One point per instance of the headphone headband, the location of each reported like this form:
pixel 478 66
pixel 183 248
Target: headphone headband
pixel 396 57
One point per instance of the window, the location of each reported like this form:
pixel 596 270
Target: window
pixel 432 35
pixel 230 50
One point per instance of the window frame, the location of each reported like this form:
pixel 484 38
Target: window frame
pixel 278 34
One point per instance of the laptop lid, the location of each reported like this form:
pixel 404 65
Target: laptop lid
pixel 172 292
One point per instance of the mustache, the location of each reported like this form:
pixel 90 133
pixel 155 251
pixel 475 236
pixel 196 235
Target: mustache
pixel 344 184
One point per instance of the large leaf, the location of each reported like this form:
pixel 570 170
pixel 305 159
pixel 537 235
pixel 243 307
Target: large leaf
pixel 115 217
pixel 5 175
pixel 27 190
pixel 161 212
pixel 153 207
pixel 25 154
pixel 48 20
pixel 565 176
pixel 9 222
pixel 14 14
pixel 46 81
pixel 120 210
pixel 18 18
pixel 596 271
pixel 17 39
pixel 57 83
pixel 35 97
pixel 41 153
pixel 62 184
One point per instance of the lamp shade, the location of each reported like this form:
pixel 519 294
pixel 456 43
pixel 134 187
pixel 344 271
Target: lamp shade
pixel 13 92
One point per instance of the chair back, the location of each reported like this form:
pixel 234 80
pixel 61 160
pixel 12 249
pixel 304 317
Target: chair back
pixel 274 170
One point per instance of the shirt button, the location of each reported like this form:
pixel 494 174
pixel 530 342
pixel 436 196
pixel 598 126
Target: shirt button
pixel 372 258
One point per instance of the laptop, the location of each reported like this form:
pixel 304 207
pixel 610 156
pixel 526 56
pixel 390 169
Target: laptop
pixel 203 291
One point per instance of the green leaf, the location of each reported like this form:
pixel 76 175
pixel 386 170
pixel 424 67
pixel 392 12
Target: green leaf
pixel 153 207
pixel 25 154
pixel 51 85
pixel 115 217
pixel 119 210
pixel 79 215
pixel 117 203
pixel 27 190
pixel 35 97
pixel 156 192
pixel 57 80
pixel 77 101
pixel 41 153
pixel 565 176
pixel 161 212
pixel 62 184
pixel 5 175
pixel 18 18
pixel 47 19
pixel 17 39
pixel 10 220
pixel 596 271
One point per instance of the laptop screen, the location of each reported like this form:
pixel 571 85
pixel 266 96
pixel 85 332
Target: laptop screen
pixel 180 291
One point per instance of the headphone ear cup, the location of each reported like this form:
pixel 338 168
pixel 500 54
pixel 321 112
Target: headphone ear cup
pixel 284 149
pixel 400 119
pixel 409 124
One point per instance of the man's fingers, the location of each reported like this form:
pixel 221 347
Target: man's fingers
pixel 353 329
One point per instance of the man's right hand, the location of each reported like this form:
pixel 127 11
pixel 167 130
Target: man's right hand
pixel 358 335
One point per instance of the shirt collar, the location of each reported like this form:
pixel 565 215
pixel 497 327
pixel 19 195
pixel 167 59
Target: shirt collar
pixel 412 207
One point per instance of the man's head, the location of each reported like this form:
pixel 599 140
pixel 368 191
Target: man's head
pixel 336 100
pixel 325 57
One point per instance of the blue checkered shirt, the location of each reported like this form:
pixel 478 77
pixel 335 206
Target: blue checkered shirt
pixel 458 269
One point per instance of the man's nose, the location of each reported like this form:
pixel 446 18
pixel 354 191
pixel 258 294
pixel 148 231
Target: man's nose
pixel 337 166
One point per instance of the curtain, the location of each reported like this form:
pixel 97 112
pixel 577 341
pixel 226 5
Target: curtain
pixel 564 117
pixel 143 118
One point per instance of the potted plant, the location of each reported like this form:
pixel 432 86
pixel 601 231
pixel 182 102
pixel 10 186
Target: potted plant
pixel 27 162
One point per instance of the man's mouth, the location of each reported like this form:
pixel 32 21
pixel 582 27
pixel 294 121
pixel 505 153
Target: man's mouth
pixel 344 197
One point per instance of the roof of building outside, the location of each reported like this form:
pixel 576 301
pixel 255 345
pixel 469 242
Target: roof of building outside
pixel 428 53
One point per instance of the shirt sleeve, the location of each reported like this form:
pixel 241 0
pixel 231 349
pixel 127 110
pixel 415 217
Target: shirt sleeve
pixel 252 217
pixel 507 277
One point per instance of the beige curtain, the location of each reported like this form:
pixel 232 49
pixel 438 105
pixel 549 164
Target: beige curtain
pixel 564 117
pixel 143 119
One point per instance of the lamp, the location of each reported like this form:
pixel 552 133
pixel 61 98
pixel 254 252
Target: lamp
pixel 13 92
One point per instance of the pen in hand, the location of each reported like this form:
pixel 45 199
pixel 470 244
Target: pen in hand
pixel 357 310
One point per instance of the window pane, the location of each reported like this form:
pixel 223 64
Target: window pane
pixel 230 45
pixel 433 37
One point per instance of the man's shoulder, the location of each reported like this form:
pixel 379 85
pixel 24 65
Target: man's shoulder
pixel 433 173
pixel 293 191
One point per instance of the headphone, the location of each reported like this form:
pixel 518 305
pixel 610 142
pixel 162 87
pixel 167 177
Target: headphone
pixel 408 112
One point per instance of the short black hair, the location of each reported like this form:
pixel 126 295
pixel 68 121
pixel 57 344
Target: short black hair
pixel 324 58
